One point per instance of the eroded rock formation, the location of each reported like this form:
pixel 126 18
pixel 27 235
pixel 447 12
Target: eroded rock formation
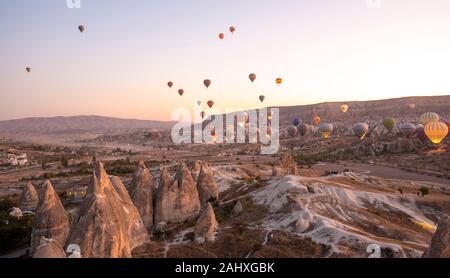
pixel 141 192
pixel 207 226
pixel 206 185
pixel 29 198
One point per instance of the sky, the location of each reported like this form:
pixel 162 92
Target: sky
pixel 325 50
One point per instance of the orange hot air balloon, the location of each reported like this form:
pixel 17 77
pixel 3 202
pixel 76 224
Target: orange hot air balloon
pixel 316 120
pixel 181 92
pixel 203 114
pixel 210 103
pixel 232 29
pixel 81 28
pixel 170 84
pixel 221 36
pixel 436 131
pixel 344 108
pixel 279 81
pixel 252 77
pixel 207 83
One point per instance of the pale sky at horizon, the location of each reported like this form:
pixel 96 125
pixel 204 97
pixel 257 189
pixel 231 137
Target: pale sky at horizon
pixel 325 50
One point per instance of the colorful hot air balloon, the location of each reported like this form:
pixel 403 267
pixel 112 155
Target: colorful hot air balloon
pixel 303 129
pixel 420 133
pixel 344 108
pixel 210 103
pixel 181 92
pixel 296 121
pixel 207 83
pixel 252 77
pixel 326 130
pixel 279 81
pixel 436 131
pixel 360 130
pixel 428 118
pixel 170 84
pixel 232 29
pixel 262 98
pixel 292 131
pixel 203 114
pixel 28 69
pixel 407 129
pixel 389 123
pixel 81 28
pixel 221 36
pixel 316 120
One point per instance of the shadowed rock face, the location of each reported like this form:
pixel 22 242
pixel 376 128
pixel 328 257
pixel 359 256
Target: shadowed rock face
pixel 206 185
pixel 177 200
pixel 49 249
pixel 109 226
pixel 207 226
pixel 440 244
pixel 141 192
pixel 50 220
pixel 29 198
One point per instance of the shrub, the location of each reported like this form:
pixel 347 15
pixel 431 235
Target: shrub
pixel 424 191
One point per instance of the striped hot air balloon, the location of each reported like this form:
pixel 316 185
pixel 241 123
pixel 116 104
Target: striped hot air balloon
pixel 436 131
pixel 429 117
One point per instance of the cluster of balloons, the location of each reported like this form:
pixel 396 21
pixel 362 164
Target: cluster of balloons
pixel 232 30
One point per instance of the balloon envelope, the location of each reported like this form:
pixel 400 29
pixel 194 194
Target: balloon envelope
pixel 360 130
pixel 81 28
pixel 207 83
pixel 170 84
pixel 210 103
pixel 389 123
pixel 436 131
pixel 252 77
pixel 407 129
pixel 232 29
pixel 326 130
pixel 428 117
pixel 316 120
pixel 292 131
pixel 181 92
pixel 262 98
pixel 303 129
pixel 279 81
pixel 296 121
pixel 28 69
pixel 412 106
pixel 344 108
pixel 221 36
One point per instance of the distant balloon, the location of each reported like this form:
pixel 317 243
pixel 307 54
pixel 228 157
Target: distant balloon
pixel 360 130
pixel 252 77
pixel 420 133
pixel 303 129
pixel 199 102
pixel 428 118
pixel 203 114
pixel 407 129
pixel 296 121
pixel 436 131
pixel 221 36
pixel 28 69
pixel 412 106
pixel 207 83
pixel 170 84
pixel 232 29
pixel 181 92
pixel 81 28
pixel 326 130
pixel 389 123
pixel 344 108
pixel 292 131
pixel 279 81
pixel 210 103
pixel 316 120
pixel 262 98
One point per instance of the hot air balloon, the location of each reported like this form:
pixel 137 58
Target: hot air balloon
pixel 420 133
pixel 221 36
pixel 181 92
pixel 407 129
pixel 199 102
pixel 428 118
pixel 316 120
pixel 292 131
pixel 262 98
pixel 344 108
pixel 279 81
pixel 412 106
pixel 252 77
pixel 303 129
pixel 296 121
pixel 28 69
pixel 210 103
pixel 326 130
pixel 389 123
pixel 81 28
pixel 436 131
pixel 360 130
pixel 232 29
pixel 170 84
pixel 207 83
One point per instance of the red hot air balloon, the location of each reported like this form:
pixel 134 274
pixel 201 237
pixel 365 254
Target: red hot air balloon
pixel 181 92
pixel 221 36
pixel 210 104
pixel 207 83
pixel 170 84
pixel 232 29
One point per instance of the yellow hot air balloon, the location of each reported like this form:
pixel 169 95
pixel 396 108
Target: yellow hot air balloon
pixel 279 81
pixel 428 117
pixel 436 131
pixel 344 108
pixel 326 130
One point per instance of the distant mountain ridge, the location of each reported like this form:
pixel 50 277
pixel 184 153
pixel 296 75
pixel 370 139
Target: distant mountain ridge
pixel 78 124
